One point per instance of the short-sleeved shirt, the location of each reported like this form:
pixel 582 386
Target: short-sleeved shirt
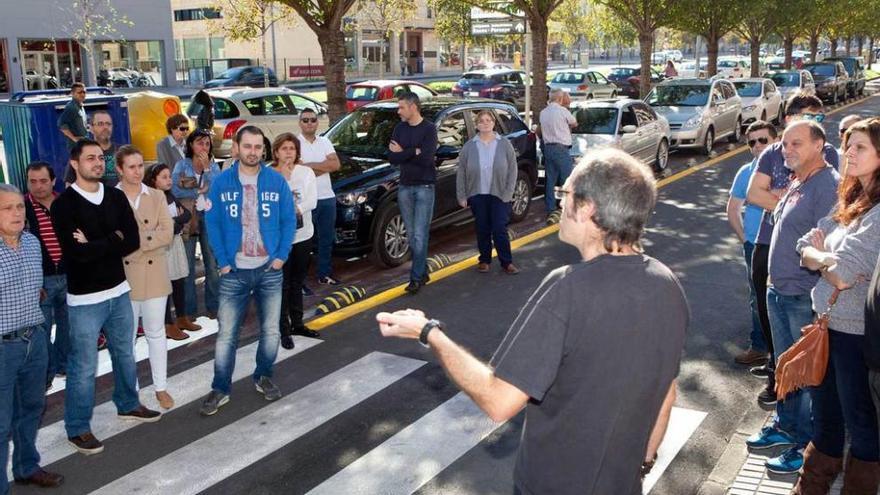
pixel 797 213
pixel 751 213
pixel 586 427
pixel 252 253
pixel 772 163
pixel 555 120
pixel 318 151
pixel 73 118
pixel 21 278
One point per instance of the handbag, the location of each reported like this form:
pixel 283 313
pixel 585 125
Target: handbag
pixel 805 362
pixel 178 265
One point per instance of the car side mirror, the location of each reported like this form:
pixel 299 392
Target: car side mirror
pixel 628 129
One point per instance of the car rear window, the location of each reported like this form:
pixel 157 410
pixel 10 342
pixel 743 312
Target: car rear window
pixel 622 72
pixel 362 93
pixel 473 77
pixel 569 78
pixel 786 79
pixel 821 70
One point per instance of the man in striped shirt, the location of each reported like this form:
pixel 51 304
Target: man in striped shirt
pixel 38 201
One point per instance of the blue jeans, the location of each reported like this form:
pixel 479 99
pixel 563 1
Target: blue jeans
pixel 211 275
pixel 55 312
pixel 23 364
pixel 417 209
pixel 117 320
pixel 324 218
pixel 844 398
pixel 756 337
pixel 788 314
pixel 235 292
pixel 491 216
pixel 557 167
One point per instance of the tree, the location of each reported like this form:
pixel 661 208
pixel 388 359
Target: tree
pixel 384 16
pixel 570 22
pixel 90 20
pixel 247 20
pixel 452 23
pixel 645 16
pixel 817 19
pixel 791 25
pixel 611 29
pixel 756 23
pixel 711 20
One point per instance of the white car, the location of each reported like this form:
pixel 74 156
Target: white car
pixel 732 67
pixel 689 69
pixel 675 55
pixel 790 82
pixel 658 58
pixel 761 100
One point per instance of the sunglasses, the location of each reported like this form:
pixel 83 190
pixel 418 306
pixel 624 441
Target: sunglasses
pixel 183 128
pixel 559 193
pixel 309 121
pixel 818 117
pixel 762 140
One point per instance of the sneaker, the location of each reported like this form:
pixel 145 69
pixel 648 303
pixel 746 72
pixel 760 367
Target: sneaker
pixel 769 436
pixel 483 267
pixel 751 356
pixel 267 388
pixel 287 341
pixel 214 401
pixel 767 396
pixel 790 461
pixel 328 281
pixel 86 444
pixel 762 371
pixel 142 414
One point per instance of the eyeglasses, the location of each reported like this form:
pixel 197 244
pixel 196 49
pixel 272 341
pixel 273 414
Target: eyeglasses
pixel 559 193
pixel 818 117
pixel 309 121
pixel 183 128
pixel 762 140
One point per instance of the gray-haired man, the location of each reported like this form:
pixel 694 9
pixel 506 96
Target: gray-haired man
pixel 556 125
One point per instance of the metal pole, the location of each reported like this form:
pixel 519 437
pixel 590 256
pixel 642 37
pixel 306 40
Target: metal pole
pixel 528 66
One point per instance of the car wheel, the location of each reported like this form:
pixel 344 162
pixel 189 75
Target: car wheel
pixel 661 160
pixel 710 140
pixel 522 197
pixel 390 247
pixel 737 132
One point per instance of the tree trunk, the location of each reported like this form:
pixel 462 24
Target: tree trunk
pixel 871 52
pixel 264 63
pixel 333 53
pixel 833 47
pixel 861 44
pixel 646 40
pixel 848 46
pixel 787 45
pixel 90 59
pixel 814 46
pixel 755 51
pixel 538 65
pixel 711 55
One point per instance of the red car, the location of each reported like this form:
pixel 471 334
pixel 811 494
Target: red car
pixel 359 94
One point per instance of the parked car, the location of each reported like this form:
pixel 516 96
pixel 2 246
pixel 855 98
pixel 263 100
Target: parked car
pixel 689 69
pixel 627 79
pixel 483 65
pixel 855 69
pixel 630 125
pixel 583 84
pixel 658 58
pixel 831 80
pixel 503 84
pixel 732 67
pixel 675 55
pixel 778 63
pixel 761 100
pixel 273 110
pixel 249 75
pixel 790 82
pixel 368 218
pixel 699 111
pixel 359 94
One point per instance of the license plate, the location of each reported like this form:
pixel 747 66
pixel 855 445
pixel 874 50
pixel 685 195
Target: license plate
pixel 541 173
pixel 473 93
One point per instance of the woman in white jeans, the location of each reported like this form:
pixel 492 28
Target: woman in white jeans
pixel 146 268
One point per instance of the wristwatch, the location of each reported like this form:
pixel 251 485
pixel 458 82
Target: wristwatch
pixel 430 325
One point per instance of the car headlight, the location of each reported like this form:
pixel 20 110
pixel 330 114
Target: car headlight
pixel 694 121
pixel 750 108
pixel 352 198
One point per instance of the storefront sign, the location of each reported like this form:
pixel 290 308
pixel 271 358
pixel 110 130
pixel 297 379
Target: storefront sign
pixel 306 70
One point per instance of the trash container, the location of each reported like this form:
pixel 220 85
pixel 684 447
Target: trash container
pixel 147 112
pixel 29 121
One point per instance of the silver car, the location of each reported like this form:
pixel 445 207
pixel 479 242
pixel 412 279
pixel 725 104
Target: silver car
pixel 584 84
pixel 791 82
pixel 274 110
pixel 699 111
pixel 761 100
pixel 630 125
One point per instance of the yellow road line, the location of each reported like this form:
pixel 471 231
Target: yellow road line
pixel 337 316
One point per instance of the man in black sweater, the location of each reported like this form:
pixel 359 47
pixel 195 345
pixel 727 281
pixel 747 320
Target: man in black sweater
pixel 412 148
pixel 97 229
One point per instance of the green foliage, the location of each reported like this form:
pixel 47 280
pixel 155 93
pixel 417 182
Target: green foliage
pixel 249 20
pixel 442 87
pixel 452 20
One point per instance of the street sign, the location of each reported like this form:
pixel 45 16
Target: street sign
pixel 501 18
pixel 509 26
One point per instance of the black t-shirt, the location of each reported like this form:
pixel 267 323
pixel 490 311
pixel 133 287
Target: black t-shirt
pixel 872 322
pixel 595 348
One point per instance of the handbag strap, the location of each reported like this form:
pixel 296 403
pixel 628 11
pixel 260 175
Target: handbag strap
pixel 832 301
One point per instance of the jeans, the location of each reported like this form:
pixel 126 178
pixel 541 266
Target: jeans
pixel 557 167
pixel 756 337
pixel 55 312
pixel 235 292
pixel 787 315
pixel 324 219
pixel 491 216
pixel 417 209
pixel 211 274
pixel 844 398
pixel 759 267
pixel 152 312
pixel 295 270
pixel 23 364
pixel 115 317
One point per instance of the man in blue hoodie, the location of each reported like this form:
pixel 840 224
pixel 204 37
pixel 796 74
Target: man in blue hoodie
pixel 250 225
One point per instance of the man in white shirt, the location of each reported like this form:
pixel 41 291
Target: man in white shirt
pixel 556 125
pixel 319 155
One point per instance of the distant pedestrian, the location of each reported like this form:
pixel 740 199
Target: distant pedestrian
pixel 615 306
pixel 251 227
pixel 205 114
pixel 485 179
pixel 556 125
pixel 102 132
pixel 412 148
pixel 172 149
pixel 670 70
pixel 23 357
pixel 72 121
pixel 402 66
pixel 97 229
pixel 844 249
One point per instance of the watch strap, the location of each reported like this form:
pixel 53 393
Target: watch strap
pixel 430 325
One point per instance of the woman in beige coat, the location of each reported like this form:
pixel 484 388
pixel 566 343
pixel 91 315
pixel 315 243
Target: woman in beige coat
pixel 146 268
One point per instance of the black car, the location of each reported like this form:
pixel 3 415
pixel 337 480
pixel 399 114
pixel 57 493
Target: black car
pixel 628 79
pixel 831 80
pixel 497 84
pixel 855 68
pixel 367 216
pixel 249 75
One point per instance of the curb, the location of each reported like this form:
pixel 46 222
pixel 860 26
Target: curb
pixel 731 461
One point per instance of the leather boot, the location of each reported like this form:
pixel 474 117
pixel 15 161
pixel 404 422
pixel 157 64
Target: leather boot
pixel 818 472
pixel 174 333
pixel 185 323
pixel 860 477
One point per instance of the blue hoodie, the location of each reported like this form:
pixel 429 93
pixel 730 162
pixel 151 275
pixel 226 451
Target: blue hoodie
pixel 276 213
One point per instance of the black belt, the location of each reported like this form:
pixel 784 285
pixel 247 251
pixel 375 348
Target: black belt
pixel 21 333
pixel 558 144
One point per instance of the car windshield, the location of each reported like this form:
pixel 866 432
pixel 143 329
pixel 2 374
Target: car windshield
pixel 786 79
pixel 849 64
pixel 623 72
pixel 595 121
pixel 362 93
pixel 367 131
pixel 569 78
pixel 684 95
pixel 821 70
pixel 231 73
pixel 473 77
pixel 727 64
pixel 751 88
